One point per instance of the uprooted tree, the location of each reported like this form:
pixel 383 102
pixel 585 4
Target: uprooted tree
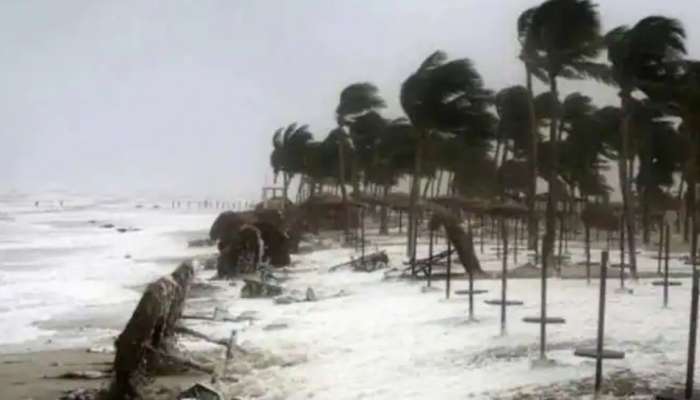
pixel 150 333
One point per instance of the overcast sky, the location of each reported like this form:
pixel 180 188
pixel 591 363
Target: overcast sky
pixel 182 97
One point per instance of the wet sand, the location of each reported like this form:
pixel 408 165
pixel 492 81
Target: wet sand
pixel 34 375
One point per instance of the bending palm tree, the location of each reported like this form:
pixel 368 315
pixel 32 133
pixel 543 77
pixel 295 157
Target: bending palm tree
pixel 635 54
pixel 442 96
pixel 355 100
pixel 565 37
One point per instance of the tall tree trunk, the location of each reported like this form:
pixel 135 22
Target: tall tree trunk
pixel 439 183
pixel 550 218
pixel 286 181
pixel 625 183
pixel 428 182
pixel 343 190
pixel 532 233
pixel 384 214
pixel 413 199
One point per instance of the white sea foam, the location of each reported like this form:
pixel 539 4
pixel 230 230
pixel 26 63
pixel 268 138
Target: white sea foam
pixel 57 258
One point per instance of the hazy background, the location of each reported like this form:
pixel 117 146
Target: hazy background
pixel 181 97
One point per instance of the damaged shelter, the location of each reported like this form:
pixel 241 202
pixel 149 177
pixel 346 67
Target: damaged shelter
pixel 247 238
pixel 329 212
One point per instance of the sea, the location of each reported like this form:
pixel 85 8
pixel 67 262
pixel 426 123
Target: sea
pixel 72 267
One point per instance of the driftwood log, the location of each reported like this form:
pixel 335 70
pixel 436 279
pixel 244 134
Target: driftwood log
pixel 151 327
pixel 368 263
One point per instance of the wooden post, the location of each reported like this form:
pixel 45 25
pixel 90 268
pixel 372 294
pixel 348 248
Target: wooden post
pixel 362 233
pixel 601 323
pixel 504 275
pixel 470 274
pixel 481 233
pixel 561 241
pixel 449 267
pixel 515 244
pixel 400 219
pixel 692 340
pixel 587 232
pixel 667 246
pixel 430 256
pixel 661 245
pixel 622 252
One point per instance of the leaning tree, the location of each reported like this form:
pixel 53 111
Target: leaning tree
pixel 565 38
pixel 355 100
pixel 442 96
pixel 287 156
pixel 637 54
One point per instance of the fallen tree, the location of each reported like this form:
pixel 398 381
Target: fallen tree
pixel 149 333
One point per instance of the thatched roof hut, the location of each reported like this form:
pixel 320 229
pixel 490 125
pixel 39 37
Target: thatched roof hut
pixel 275 203
pixel 328 212
pixel 604 217
pixel 508 209
pixel 472 206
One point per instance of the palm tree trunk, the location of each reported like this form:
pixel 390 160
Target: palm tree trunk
pixel 413 200
pixel 625 184
pixel 532 233
pixel 384 214
pixel 343 191
pixel 286 179
pixel 428 182
pixel 550 218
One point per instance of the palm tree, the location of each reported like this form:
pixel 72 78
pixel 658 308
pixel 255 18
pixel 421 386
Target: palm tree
pixel 442 96
pixel 355 100
pixel 528 55
pixel 565 38
pixel 637 53
pixel 288 153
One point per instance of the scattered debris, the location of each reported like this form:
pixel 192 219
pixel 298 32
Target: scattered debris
pixel 84 375
pixel 201 243
pixel 200 391
pixel 100 349
pixel 254 288
pixel 82 394
pixel 275 327
pixel 368 263
pixel 310 294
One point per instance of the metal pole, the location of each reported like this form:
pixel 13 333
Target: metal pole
pixel 667 246
pixel 449 268
pixel 504 273
pixel 601 323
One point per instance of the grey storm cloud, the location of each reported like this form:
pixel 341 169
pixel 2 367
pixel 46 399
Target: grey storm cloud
pixel 182 97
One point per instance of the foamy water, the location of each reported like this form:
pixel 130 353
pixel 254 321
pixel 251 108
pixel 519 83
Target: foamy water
pixel 62 259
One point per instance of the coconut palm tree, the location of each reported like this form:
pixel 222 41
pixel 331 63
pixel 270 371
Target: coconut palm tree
pixel 636 54
pixel 288 153
pixel 565 38
pixel 442 96
pixel 355 100
pixel 528 55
